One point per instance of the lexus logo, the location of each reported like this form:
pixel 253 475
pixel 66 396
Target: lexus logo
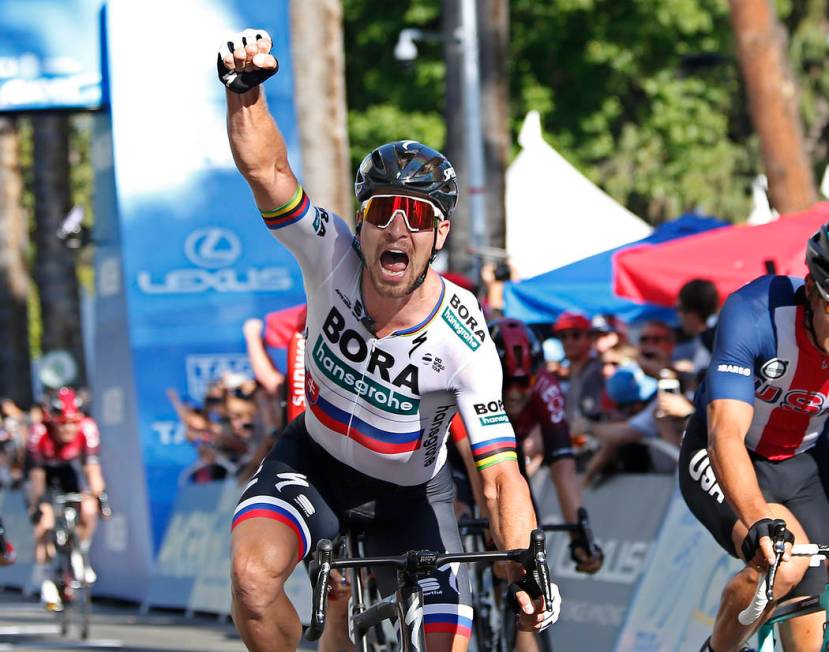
pixel 212 247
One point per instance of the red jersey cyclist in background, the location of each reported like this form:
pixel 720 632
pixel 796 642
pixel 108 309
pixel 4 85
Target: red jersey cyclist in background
pixel 534 403
pixel 63 453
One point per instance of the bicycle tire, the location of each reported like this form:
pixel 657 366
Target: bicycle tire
pixel 508 630
pixel 486 635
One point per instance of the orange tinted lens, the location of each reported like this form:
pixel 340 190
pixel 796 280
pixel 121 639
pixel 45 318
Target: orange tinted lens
pixel 419 214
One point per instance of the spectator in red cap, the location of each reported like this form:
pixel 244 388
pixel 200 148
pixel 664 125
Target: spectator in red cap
pixel 584 381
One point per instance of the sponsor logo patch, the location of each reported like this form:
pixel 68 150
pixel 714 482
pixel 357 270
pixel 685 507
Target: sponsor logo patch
pixel 351 380
pixel 461 331
pixel 774 368
pixel 734 369
pixel 321 218
pixel 494 420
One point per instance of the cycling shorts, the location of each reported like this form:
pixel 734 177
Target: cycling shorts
pixel 64 478
pixel 302 486
pixel 799 483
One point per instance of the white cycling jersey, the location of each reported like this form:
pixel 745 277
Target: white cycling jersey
pixel 383 405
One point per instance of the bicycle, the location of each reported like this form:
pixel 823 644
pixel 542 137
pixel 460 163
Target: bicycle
pixel 493 626
pixel 368 612
pixel 766 641
pixel 70 563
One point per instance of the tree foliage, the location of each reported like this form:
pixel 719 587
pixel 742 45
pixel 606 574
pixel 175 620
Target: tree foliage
pixel 644 96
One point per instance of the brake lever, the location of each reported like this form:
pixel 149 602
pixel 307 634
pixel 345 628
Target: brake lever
pixel 779 547
pixel 320 572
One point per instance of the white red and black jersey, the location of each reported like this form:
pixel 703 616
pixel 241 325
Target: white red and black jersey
pixel 45 451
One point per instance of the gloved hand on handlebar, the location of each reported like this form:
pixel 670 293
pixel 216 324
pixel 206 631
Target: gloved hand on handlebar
pixel 531 616
pixel 103 506
pixel 588 559
pixel 35 514
pixel 758 547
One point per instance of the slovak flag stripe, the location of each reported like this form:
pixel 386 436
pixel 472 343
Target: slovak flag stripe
pixel 448 618
pixel 364 433
pixel 277 510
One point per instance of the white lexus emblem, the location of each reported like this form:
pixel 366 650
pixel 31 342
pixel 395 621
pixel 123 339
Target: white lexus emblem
pixel 774 368
pixel 212 247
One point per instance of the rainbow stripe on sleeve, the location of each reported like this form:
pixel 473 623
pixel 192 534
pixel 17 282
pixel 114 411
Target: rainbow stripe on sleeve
pixel 290 212
pixel 494 451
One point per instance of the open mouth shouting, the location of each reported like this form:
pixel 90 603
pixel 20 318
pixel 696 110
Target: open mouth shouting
pixel 393 264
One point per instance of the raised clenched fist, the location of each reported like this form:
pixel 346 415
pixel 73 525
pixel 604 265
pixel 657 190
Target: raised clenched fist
pixel 245 60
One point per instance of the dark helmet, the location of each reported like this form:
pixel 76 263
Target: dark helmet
pixel 409 167
pixel 817 259
pixel 518 348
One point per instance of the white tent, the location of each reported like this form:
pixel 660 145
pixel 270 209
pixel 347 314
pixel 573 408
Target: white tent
pixel 555 215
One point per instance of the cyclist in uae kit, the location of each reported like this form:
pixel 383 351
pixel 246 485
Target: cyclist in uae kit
pixel 393 351
pixel 754 452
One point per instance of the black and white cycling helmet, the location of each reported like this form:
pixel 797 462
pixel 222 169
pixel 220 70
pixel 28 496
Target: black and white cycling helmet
pixel 408 167
pixel 817 260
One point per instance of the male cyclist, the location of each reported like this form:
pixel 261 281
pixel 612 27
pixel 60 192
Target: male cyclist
pixel 752 452
pixel 534 403
pixel 63 452
pixel 393 351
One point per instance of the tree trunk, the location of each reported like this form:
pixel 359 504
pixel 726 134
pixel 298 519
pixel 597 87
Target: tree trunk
pixel 15 363
pixel 493 16
pixel 319 94
pixel 55 272
pixel 773 103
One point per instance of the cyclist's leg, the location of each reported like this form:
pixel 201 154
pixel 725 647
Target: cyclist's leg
pixel 423 518
pixel 811 508
pixel 88 521
pixel 44 548
pixel 780 483
pixel 279 518
pixel 706 500
pixel 737 594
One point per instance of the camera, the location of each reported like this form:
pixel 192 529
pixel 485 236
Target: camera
pixel 502 272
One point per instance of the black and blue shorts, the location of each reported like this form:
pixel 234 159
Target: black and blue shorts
pixel 302 486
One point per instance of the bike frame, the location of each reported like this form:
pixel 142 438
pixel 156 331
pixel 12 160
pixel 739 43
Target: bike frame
pixel 407 605
pixel 67 512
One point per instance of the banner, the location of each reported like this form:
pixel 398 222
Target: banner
pixel 625 513
pixel 182 258
pixel 41 67
pixel 675 606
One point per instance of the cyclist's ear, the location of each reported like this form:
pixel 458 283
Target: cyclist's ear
pixel 442 234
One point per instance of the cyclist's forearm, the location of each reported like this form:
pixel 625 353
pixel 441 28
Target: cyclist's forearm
pixel 563 473
pixel 510 508
pixel 259 149
pixel 733 468
pixel 94 478
pixel 37 485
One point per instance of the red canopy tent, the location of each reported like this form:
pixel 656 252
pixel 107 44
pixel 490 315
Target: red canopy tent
pixel 730 257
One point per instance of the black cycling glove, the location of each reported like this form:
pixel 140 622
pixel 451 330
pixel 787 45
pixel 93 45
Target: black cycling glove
pixel 581 544
pixel 241 82
pixel 765 527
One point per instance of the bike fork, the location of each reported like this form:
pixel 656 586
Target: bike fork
pixel 410 616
